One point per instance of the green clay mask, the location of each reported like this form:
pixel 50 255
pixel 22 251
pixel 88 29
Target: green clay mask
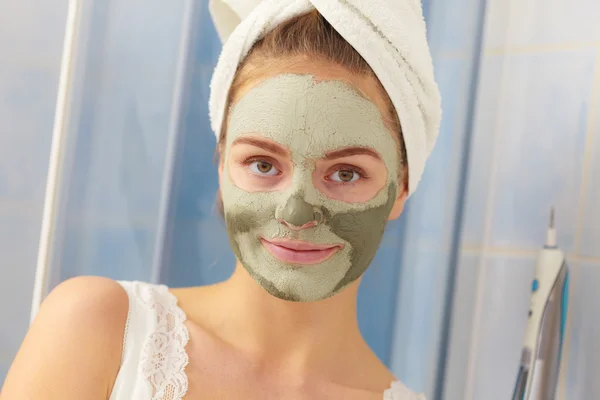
pixel 310 119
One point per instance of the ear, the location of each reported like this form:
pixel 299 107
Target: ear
pixel 221 170
pixel 399 204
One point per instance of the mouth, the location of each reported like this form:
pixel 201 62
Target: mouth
pixel 299 252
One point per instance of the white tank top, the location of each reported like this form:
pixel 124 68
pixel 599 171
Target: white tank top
pixel 154 358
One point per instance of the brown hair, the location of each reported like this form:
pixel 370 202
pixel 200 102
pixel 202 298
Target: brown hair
pixel 308 36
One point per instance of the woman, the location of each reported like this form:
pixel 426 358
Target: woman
pixel 312 166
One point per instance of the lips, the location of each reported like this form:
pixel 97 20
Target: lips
pixel 299 252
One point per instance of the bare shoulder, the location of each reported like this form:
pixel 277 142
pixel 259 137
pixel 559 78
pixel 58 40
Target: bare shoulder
pixel 73 348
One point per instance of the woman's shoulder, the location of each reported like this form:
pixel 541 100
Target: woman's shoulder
pixel 88 301
pixel 81 324
pixel 84 304
pixel 91 309
pixel 90 291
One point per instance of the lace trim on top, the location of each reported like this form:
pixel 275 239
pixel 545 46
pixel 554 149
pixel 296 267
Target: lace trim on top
pixel 398 391
pixel 164 358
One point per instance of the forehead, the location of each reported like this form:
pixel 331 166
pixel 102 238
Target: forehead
pixel 312 117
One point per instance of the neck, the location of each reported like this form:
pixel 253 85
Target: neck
pixel 303 336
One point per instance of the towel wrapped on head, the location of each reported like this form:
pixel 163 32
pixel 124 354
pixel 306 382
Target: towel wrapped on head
pixel 389 34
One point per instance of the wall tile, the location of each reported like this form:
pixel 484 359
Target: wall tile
pixel 378 292
pixel 484 125
pixel 583 352
pixel 551 22
pixel 463 308
pixel 501 329
pixel 419 308
pixel 541 128
pixel 452 24
pixel 431 210
pixel 496 24
pixel 590 230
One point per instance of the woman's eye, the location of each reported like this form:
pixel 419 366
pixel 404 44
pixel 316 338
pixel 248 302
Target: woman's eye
pixel 345 176
pixel 263 168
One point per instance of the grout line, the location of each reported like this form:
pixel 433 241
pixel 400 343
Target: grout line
pixel 516 50
pixel 549 48
pixel 584 259
pixel 587 156
pixel 499 251
pixel 454 54
pixel 525 253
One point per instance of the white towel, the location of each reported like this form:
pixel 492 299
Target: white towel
pixel 389 34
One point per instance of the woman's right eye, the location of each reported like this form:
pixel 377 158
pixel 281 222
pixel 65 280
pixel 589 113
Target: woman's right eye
pixel 263 168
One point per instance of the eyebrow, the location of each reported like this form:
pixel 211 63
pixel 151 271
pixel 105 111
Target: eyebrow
pixel 352 151
pixel 332 155
pixel 270 147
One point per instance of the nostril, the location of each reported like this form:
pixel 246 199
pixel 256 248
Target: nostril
pixel 318 215
pixel 307 225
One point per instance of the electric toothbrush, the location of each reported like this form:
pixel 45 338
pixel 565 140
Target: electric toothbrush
pixel 541 354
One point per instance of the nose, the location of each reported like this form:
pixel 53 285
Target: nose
pixel 298 214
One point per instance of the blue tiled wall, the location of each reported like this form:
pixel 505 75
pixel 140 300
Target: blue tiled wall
pixel 535 145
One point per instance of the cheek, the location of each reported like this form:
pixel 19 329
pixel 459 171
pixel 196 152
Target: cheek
pixel 364 230
pixel 256 214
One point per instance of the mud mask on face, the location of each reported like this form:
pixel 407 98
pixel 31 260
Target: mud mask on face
pixel 310 119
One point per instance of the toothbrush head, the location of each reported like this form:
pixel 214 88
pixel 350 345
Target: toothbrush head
pixel 551 233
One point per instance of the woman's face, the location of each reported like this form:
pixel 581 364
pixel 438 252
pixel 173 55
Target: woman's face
pixel 309 178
